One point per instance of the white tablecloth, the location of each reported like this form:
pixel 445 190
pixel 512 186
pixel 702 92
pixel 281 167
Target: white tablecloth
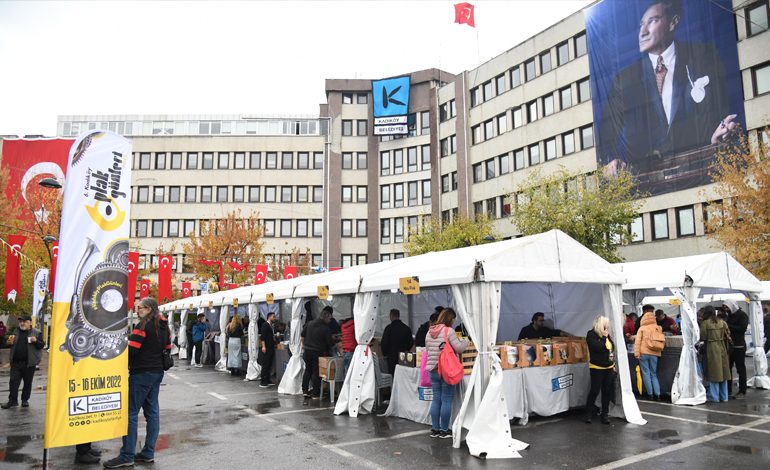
pixel 544 391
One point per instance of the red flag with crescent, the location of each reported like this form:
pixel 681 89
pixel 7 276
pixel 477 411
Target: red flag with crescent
pixel 464 14
pixel 165 262
pixel 232 286
pixel 144 288
pixel 54 259
pixel 237 267
pixel 13 266
pixel 260 273
pixel 133 274
pixel 289 272
pixel 186 289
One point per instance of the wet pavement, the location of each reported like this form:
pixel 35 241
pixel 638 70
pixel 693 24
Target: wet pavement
pixel 211 419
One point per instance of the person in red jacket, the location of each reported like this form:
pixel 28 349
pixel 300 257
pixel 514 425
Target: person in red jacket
pixel 349 342
pixel 629 328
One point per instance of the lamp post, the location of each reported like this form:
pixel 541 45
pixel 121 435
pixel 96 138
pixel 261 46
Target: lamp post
pixel 48 183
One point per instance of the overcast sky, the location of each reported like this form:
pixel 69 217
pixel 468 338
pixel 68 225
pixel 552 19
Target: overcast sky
pixel 256 57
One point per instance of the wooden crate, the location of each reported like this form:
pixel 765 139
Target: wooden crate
pixel 508 356
pixel 468 358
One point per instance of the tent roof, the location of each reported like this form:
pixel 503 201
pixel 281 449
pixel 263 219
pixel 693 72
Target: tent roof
pixel 715 270
pixel 765 295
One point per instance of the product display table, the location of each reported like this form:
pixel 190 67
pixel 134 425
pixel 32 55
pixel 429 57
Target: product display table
pixel 544 391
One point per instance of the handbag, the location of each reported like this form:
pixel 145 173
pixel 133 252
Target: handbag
pixel 449 367
pixel 424 375
pixel 165 354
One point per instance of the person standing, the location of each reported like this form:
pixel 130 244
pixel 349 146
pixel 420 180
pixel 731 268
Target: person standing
pixel 26 344
pixel 714 333
pixel 234 335
pixel 396 338
pixel 3 332
pixel 267 351
pixel 149 338
pixel 601 364
pixel 422 331
pixel 349 341
pixel 648 358
pixel 317 341
pixel 199 330
pixel 629 327
pixel 766 321
pixel 738 322
pixel 666 323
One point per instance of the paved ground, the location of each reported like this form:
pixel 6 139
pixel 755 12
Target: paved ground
pixel 210 419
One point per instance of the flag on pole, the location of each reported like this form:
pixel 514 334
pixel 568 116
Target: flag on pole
pixel 260 273
pixel 133 274
pixel 186 289
pixel 13 266
pixel 54 259
pixel 289 272
pixel 464 14
pixel 144 288
pixel 237 267
pixel 165 263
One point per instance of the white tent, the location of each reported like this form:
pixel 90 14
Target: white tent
pixel 686 278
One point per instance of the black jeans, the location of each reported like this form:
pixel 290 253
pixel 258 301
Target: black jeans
pixel 311 372
pixel 198 346
pixel 738 357
pixel 602 380
pixel 267 366
pixel 20 372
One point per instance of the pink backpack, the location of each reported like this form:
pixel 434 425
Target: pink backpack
pixel 449 367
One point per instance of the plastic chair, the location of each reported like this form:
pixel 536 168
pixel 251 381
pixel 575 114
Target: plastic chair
pixel 339 375
pixel 381 379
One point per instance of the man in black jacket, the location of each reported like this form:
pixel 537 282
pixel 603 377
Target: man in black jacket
pixel 317 342
pixel 268 350
pixel 422 331
pixel 26 344
pixel 738 322
pixel 396 338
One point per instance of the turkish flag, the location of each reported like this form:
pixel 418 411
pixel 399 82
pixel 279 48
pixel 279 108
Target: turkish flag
pixel 144 288
pixel 464 14
pixel 232 286
pixel 334 269
pixel 186 289
pixel 260 273
pixel 133 274
pixel 237 267
pixel 164 278
pixel 13 266
pixel 54 259
pixel 289 272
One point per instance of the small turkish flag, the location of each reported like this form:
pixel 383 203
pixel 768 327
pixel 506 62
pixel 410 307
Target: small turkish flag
pixel 133 274
pixel 464 14
pixel 165 262
pixel 186 289
pixel 289 272
pixel 144 288
pixel 237 267
pixel 13 266
pixel 260 273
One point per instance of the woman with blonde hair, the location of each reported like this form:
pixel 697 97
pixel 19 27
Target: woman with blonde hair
pixel 601 364
pixel 234 336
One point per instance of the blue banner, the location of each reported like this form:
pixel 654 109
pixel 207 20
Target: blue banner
pixel 390 96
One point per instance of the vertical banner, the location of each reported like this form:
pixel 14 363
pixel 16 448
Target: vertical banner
pixel 54 260
pixel 13 266
pixel 289 272
pixel 260 273
pixel 88 362
pixel 144 288
pixel 164 278
pixel 38 297
pixel 204 288
pixel 186 289
pixel 133 274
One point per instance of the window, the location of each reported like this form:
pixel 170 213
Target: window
pixel 192 161
pixel 489 129
pixel 173 228
pixel 361 160
pixel 362 98
pixel 529 70
pixel 224 161
pixel 636 230
pixel 518 159
pixel 238 193
pixel 426 191
pixel 398 162
pixel 318 160
pixel 500 84
pixel 286 193
pixel 515 76
pixel 502 124
pixel 157 228
pixel 143 194
pixel 452 144
pixel 347 194
pixel 302 228
pixel 160 161
pixel 347 127
pixel 685 221
pixel 384 231
pixel 144 161
pixel 269 228
pixel 444 184
pixel 426 157
pixel 550 149
pixel 347 228
pixel 189 228
pixel 584 90
pixel 174 193
pixel 361 227
pixel 384 163
pixel 568 143
pixel 477 175
pixel 176 161
pixel 361 127
pixel 272 160
pixel 158 194
pixel 444 147
pixel 239 160
pixel 545 62
pixel 347 98
pixel 490 168
pixel 254 193
pixel 287 160
pixel 303 194
pixel 362 193
pixel 505 207
pixel 548 105
pixel 517 118
pixel 532 111
pixel 398 230
pixel 586 137
pixel 565 97
pixel 190 193
pixel 318 194
pixel 303 160
pixel 270 193
pixel 141 228
pixel 443 112
pixel 534 154
pixel 562 53
pixel 347 160
pixel 208 161
pixel 398 195
pixel 504 162
pixel 476 134
pixel 581 46
pixel 761 77
pixel 659 225
pixel 478 208
pixel 487 90
pixel 206 193
pixel 222 193
pixel 475 96
pixel 492 208
pixel 425 123
pixel 756 18
pixel 412 195
pixel 286 227
pixel 255 160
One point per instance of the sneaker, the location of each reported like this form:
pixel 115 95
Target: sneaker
pixel 198 365
pixel 25 404
pixel 86 458
pixel 445 434
pixel 264 385
pixel 435 433
pixel 307 395
pixel 140 457
pixel 740 396
pixel 118 462
pixel 604 419
pixel 9 404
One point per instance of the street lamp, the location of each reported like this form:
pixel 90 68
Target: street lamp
pixel 52 183
pixel 49 183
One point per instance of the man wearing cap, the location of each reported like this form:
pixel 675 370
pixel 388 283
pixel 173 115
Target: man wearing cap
pixel 738 322
pixel 25 343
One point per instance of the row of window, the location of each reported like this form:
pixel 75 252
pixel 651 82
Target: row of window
pixel 495 207
pixel 151 261
pixel 299 228
pixel 532 68
pixel 396 230
pixel 392 161
pixel 357 98
pixel 361 127
pixel 233 193
pixel 284 127
pixel 229 160
pixel 412 125
pixel 413 196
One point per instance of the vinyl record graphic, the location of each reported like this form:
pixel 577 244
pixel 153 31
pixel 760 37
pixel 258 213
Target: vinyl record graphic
pixel 103 300
pixel 117 254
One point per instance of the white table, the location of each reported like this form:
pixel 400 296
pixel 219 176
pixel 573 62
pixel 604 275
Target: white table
pixel 544 391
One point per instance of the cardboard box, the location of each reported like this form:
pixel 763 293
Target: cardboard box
pixel 544 353
pixel 509 356
pixel 559 354
pixel 577 351
pixel 527 354
pixel 408 359
pixel 323 363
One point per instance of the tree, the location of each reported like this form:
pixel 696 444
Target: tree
pixel 438 236
pixel 594 209
pixel 740 222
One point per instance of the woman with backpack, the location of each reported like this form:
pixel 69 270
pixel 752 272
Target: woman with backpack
pixel 716 369
pixel 648 345
pixel 440 336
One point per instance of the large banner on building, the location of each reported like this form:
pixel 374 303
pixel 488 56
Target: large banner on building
pixel 88 364
pixel 390 105
pixel 666 88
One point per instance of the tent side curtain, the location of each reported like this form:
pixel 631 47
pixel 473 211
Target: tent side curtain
pixel 291 382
